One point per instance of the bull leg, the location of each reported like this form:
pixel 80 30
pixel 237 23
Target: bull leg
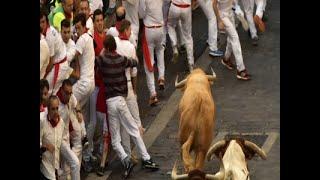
pixel 186 157
pixel 200 157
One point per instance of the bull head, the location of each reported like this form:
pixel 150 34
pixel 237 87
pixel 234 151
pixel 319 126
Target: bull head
pixel 248 144
pixel 235 156
pixel 183 82
pixel 198 174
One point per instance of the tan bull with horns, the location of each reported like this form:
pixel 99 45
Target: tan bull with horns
pixel 197 120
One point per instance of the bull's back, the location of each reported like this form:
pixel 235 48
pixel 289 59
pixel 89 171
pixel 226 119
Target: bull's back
pixel 196 110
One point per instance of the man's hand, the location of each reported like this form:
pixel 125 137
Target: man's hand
pixel 79 117
pixel 142 130
pixel 221 26
pixel 50 147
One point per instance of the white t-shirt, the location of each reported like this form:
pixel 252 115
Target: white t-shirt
pixel 126 48
pixel 151 12
pixel 84 46
pixel 71 50
pixel 50 135
pixel 44 57
pixel 56 45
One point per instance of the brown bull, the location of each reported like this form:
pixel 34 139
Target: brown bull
pixel 197 118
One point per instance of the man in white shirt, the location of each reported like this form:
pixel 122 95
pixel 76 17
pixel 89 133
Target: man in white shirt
pixel 85 8
pixel 225 17
pixel 66 37
pixel 181 10
pixel 58 68
pixel 67 106
pixel 51 133
pixel 84 65
pixel 153 32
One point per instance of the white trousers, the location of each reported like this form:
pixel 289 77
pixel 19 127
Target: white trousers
pixel 69 161
pixel 154 38
pixel 248 6
pixel 64 72
pixel 261 6
pixel 206 6
pixel 82 90
pixel 133 107
pixel 132 16
pixel 233 42
pixel 180 38
pixel 76 137
pixel 95 118
pixel 119 114
pixel 183 14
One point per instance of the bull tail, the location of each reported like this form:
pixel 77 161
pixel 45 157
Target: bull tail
pixel 186 157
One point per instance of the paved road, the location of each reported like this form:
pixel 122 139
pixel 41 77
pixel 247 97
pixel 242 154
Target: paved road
pixel 241 107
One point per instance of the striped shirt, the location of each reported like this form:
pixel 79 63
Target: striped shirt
pixel 112 68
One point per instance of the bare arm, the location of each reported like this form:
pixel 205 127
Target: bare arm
pixel 76 70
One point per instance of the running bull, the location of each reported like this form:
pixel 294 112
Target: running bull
pixel 197 120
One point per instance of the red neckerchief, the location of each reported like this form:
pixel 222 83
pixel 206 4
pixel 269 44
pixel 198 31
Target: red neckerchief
pixel 42 108
pixel 118 25
pixel 53 122
pixel 122 36
pixel 46 29
pixel 62 99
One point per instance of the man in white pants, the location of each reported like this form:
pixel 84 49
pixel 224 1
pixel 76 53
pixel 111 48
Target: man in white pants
pixel 225 17
pixel 261 5
pixel 112 66
pixel 206 6
pixel 84 87
pixel 67 104
pixel 248 6
pixel 180 38
pixel 132 8
pixel 151 11
pixel 127 49
pixel 181 10
pixel 58 68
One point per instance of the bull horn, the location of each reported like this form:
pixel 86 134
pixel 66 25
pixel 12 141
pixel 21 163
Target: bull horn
pixel 213 76
pixel 174 173
pixel 256 149
pixel 213 148
pixel 219 175
pixel 180 84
